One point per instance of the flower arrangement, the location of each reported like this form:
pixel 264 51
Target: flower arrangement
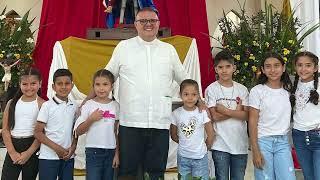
pixel 16 44
pixel 253 37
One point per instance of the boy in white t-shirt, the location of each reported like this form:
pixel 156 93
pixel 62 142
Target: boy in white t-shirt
pixel 227 101
pixel 188 129
pixel 54 130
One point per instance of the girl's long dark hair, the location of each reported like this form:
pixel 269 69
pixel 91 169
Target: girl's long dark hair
pixel 14 100
pixel 314 96
pixel 285 79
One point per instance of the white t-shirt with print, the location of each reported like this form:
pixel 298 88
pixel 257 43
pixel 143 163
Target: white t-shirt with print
pixel 100 133
pixel 274 110
pixel 191 132
pixel 306 114
pixel 231 134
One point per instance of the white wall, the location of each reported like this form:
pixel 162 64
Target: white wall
pixel 22 6
pixel 215 9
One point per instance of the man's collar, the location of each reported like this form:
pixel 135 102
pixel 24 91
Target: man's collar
pixel 153 42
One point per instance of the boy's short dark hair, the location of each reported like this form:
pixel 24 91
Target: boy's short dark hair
pixel 62 72
pixel 223 55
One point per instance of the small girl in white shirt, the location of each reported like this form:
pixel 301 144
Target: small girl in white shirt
pixel 269 121
pixel 188 129
pixel 306 114
pixel 99 120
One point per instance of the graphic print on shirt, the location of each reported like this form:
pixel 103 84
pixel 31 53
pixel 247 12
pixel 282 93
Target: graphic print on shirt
pixel 189 129
pixel 302 96
pixel 108 115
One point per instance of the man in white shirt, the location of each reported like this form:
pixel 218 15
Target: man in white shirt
pixel 146 68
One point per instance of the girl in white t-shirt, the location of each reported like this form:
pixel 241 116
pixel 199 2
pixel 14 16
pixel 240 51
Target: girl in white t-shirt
pixel 188 129
pixel 99 120
pixel 269 121
pixel 306 114
pixel 19 120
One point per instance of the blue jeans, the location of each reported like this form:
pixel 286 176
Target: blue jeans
pixel 51 169
pixel 307 146
pixel 276 152
pixel 99 164
pixel 193 167
pixel 224 161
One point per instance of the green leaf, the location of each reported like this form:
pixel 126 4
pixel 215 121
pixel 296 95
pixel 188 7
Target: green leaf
pixel 308 32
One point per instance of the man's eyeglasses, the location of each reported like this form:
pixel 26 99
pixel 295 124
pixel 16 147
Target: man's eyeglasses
pixel 145 21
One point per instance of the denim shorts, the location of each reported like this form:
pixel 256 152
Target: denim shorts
pixel 193 167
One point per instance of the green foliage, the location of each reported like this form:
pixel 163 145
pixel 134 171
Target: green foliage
pixel 16 42
pixel 253 37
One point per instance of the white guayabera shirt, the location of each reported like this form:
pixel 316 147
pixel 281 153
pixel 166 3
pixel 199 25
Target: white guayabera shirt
pixel 146 71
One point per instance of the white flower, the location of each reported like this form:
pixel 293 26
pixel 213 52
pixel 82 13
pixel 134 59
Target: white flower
pixel 19 29
pixel 30 40
pixel 2 17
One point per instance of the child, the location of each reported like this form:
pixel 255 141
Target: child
pixel 227 101
pixel 187 129
pixel 19 119
pixel 306 126
pixel 54 130
pixel 269 121
pixel 99 119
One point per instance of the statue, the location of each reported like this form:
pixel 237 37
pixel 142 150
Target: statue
pixel 125 10
pixel 110 18
pixel 7 72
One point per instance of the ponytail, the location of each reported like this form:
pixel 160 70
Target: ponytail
pixel 293 92
pixel 314 96
pixel 12 108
